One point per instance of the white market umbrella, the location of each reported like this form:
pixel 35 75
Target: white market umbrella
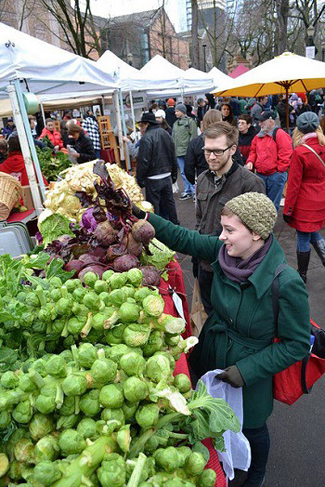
pixel 288 73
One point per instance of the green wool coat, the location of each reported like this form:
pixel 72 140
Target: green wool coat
pixel 240 331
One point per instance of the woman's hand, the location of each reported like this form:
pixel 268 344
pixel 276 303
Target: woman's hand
pixel 232 376
pixel 75 155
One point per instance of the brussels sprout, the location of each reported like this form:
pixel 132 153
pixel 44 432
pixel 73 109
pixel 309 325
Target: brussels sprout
pixel 107 275
pixel 4 464
pixel 79 294
pixel 195 464
pixel 89 403
pixel 136 335
pixel 129 409
pixel 118 280
pixel 116 352
pixel 26 383
pixel 56 366
pixel 114 336
pixel 132 364
pixel 71 285
pixel 129 313
pixel 87 428
pixel 104 297
pixel 147 416
pixel 154 343
pixel 135 389
pixel 56 282
pixel 183 383
pixel 98 320
pixel 40 426
pixel 184 452
pixel 112 472
pixel 63 307
pixel 47 448
pixel 117 297
pixel 129 292
pixel 9 380
pixel 23 412
pixel 66 422
pixel 71 442
pixel 111 396
pixel 103 370
pixel 117 414
pixel 134 277
pixel 90 279
pixel 168 458
pixel 87 354
pixel 74 385
pixel 158 368
pixel 207 478
pixel 142 293
pixel 68 406
pixel 101 286
pixel 15 470
pixel 47 472
pixel 76 324
pixel 123 438
pixel 153 305
pixel 46 404
pixel 5 419
pixel 24 451
pixel 55 295
pixel 91 300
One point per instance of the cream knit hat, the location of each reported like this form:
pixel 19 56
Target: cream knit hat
pixel 256 211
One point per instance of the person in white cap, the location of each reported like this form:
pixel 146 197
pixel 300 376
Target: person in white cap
pixel 161 119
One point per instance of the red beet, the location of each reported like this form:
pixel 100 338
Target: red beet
pixel 134 247
pixel 114 251
pixel 151 275
pixel 89 258
pixel 74 265
pixel 125 263
pixel 143 231
pixel 105 234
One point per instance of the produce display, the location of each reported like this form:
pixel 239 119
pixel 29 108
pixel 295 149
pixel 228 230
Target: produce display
pixel 108 236
pixel 52 165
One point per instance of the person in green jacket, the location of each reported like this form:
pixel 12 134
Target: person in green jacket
pixel 184 130
pixel 238 336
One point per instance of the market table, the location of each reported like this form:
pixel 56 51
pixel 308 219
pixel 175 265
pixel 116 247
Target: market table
pixel 176 283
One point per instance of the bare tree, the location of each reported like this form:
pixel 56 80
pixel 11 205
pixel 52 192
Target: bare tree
pixel 195 39
pixel 282 11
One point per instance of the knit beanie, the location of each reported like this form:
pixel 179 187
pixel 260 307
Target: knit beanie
pixel 181 108
pixel 171 102
pixel 256 211
pixel 307 122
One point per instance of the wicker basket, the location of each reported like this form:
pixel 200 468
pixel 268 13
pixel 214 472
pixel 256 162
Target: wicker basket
pixel 10 194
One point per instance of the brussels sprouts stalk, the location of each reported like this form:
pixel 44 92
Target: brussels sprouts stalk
pixel 101 353
pixel 86 329
pixel 37 378
pixel 76 405
pixel 64 292
pixel 137 472
pixel 41 296
pixel 59 398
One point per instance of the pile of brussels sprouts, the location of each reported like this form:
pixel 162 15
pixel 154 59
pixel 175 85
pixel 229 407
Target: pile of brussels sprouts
pixel 97 404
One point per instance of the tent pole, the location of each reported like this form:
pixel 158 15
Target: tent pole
pixel 128 165
pixel 25 148
pixel 29 136
pixel 119 124
pixel 103 104
pixel 132 112
pixel 287 107
pixel 43 113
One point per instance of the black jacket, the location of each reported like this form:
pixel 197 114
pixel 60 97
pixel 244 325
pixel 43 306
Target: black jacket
pixel 195 162
pixel 245 142
pixel 170 116
pixel 156 154
pixel 85 148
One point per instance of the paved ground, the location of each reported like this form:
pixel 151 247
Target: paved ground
pixel 298 431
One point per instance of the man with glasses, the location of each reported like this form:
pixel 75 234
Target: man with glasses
pixel 223 180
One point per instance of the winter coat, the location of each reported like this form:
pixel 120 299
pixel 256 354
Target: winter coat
pixel 170 116
pixel 85 148
pixel 240 331
pixel 282 111
pixel 90 125
pixel 305 197
pixel 256 111
pixel 245 142
pixel 15 166
pixel 210 199
pixel 156 154
pixel 269 156
pixel 7 131
pixel 184 130
pixel 195 162
pixel 54 137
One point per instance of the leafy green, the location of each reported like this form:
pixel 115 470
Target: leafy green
pixel 7 358
pixel 52 165
pixel 161 255
pixel 53 227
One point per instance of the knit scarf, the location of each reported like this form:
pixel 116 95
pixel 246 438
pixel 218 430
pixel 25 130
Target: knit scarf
pixel 239 270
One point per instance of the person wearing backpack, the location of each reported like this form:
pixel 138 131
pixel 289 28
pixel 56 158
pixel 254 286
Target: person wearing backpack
pixel 304 207
pixel 270 156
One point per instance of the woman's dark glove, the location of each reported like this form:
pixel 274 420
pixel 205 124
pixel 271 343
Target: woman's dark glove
pixel 138 212
pixel 232 376
pixel 287 218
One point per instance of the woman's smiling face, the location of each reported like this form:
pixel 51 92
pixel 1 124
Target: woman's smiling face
pixel 239 241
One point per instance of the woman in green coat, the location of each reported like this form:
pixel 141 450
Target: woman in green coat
pixel 238 335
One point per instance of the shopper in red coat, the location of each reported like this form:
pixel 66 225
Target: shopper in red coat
pixel 15 164
pixel 304 207
pixel 53 135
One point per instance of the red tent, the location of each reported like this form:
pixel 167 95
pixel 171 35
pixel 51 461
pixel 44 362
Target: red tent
pixel 241 69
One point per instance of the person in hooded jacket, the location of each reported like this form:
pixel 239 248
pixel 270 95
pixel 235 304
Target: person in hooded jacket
pixel 170 112
pixel 246 134
pixel 53 135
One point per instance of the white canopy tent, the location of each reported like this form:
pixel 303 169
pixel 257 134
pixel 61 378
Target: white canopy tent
pixel 220 78
pixel 28 64
pixel 193 81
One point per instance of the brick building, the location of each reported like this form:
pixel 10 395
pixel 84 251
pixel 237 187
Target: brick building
pixel 138 37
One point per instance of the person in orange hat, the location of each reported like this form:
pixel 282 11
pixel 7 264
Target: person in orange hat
pixel 170 112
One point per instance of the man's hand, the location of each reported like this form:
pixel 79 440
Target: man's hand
pixel 232 376
pixel 249 166
pixel 287 218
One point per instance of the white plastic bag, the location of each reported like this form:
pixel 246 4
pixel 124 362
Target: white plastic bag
pixel 238 452
pixel 175 187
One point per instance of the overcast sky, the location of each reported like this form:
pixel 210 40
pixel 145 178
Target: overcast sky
pixel 106 8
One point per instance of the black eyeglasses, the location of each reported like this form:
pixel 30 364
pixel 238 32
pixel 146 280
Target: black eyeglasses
pixel 216 152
